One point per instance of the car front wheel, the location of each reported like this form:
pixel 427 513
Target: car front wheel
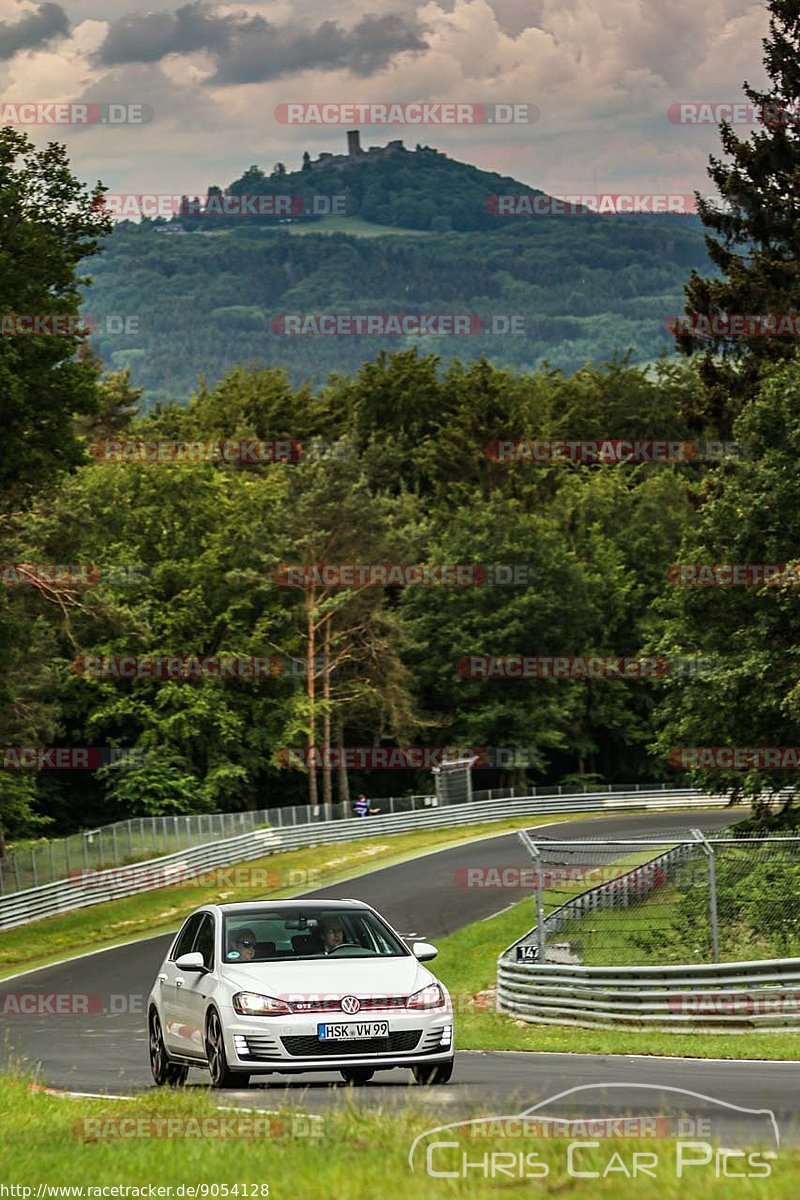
pixel 165 1071
pixel 433 1073
pixel 221 1074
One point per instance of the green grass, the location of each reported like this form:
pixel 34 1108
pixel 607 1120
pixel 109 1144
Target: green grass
pixel 162 910
pixel 357 1154
pixel 467 965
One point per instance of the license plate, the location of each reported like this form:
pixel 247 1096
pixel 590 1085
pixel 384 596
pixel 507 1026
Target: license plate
pixel 345 1033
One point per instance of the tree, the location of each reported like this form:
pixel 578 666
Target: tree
pixel 757 242
pixel 748 635
pixel 49 223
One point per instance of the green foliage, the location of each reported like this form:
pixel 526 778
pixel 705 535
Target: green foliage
pixel 585 286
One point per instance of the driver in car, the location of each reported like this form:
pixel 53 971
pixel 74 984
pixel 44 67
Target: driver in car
pixel 332 934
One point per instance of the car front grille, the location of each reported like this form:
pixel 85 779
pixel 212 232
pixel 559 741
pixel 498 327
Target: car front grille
pixel 368 1003
pixel 399 1042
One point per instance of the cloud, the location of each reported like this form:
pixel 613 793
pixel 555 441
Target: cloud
pixel 148 37
pixel 33 30
pixel 250 49
pixel 272 53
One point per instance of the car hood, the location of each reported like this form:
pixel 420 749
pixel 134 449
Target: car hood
pixel 332 977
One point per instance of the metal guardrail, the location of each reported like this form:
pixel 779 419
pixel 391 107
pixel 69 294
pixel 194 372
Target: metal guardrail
pixel 139 839
pixel 682 997
pixel 86 888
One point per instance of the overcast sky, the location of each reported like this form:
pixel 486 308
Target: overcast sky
pixel 603 74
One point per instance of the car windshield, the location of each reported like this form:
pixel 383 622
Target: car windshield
pixel 270 936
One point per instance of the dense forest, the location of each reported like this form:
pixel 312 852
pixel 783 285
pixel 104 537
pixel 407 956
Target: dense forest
pixel 195 296
pixel 187 556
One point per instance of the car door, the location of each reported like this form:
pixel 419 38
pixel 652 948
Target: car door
pixel 168 979
pixel 192 989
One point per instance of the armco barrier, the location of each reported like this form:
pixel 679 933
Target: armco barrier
pixel 718 996
pixel 35 903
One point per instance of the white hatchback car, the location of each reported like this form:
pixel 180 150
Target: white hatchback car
pixel 297 985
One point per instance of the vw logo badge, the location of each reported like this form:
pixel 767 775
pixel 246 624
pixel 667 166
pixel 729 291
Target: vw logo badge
pixel 350 1004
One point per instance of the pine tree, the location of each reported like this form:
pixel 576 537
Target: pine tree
pixel 755 240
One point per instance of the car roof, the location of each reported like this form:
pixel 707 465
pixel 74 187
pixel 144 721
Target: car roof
pixel 276 905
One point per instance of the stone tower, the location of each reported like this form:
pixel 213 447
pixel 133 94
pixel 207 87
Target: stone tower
pixel 353 143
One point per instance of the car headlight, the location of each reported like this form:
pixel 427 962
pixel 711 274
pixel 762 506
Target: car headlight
pixel 429 997
pixel 251 1004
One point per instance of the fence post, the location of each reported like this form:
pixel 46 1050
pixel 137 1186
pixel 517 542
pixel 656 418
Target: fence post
pixel 535 853
pixel 712 892
pixel 52 863
pixel 114 841
pixel 33 867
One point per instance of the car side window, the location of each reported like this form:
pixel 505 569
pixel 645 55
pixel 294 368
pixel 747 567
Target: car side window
pixel 186 936
pixel 204 942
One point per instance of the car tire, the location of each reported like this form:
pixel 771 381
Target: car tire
pixel 428 1074
pixel 166 1073
pixel 221 1074
pixel 357 1075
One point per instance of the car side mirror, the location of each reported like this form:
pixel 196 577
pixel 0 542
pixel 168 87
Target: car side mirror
pixel 191 962
pixel 424 951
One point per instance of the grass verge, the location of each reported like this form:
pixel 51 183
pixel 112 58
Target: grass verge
pixel 355 1153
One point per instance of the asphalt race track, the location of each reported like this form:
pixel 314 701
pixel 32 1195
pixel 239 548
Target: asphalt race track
pixel 107 1050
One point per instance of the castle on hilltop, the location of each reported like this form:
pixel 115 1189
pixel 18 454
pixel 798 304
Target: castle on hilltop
pixel 355 153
